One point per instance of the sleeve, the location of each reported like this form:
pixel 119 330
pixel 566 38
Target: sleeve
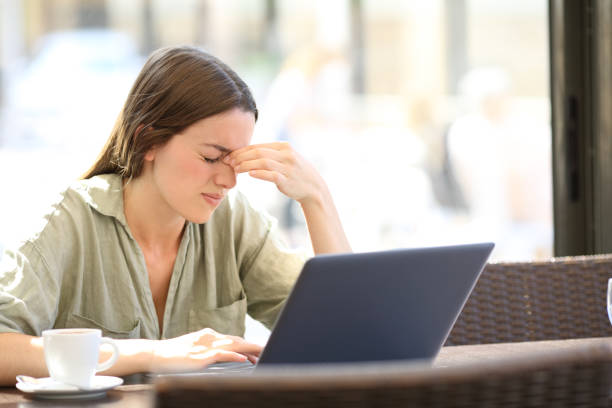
pixel 28 292
pixel 268 268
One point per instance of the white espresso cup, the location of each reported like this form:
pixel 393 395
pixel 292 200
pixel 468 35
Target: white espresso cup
pixel 72 355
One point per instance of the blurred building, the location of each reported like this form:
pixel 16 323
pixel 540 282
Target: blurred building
pixel 368 90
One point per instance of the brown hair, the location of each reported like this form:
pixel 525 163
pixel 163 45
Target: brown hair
pixel 176 87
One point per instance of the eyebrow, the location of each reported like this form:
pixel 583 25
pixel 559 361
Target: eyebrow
pixel 218 147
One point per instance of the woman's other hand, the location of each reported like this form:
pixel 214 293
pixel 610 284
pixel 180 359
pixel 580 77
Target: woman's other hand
pixel 197 350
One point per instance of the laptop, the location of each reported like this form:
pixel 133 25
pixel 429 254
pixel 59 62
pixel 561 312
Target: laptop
pixel 379 306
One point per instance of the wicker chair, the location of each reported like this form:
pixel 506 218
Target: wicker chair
pixel 559 299
pixel 576 377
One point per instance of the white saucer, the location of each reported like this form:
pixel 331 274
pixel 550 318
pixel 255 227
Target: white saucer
pixel 48 388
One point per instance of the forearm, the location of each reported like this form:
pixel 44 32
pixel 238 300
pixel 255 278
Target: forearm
pixel 324 226
pixel 135 356
pixel 20 354
pixel 23 354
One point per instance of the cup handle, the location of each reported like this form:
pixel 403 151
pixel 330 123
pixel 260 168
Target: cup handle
pixel 609 300
pixel 113 358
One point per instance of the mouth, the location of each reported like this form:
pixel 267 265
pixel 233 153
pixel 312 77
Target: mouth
pixel 213 199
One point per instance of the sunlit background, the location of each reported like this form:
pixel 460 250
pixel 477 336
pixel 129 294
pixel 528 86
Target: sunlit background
pixel 428 119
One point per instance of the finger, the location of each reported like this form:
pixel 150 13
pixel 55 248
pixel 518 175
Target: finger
pixel 218 356
pixel 244 348
pixel 236 344
pixel 260 164
pixel 254 346
pixel 237 157
pixel 278 146
pixel 267 175
pixel 253 359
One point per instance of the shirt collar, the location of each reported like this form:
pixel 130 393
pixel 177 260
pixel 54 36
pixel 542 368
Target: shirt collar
pixel 104 193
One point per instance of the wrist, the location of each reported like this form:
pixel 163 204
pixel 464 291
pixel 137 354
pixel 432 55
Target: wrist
pixel 318 199
pixel 135 356
pixel 148 359
pixel 141 352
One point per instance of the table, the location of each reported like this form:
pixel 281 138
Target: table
pixel 142 395
pixel 458 355
pixel 128 396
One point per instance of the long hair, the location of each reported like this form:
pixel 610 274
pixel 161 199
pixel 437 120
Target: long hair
pixel 176 87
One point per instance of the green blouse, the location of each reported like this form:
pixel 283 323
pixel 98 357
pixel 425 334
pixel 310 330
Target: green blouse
pixel 83 268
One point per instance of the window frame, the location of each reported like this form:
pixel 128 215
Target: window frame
pixel 581 99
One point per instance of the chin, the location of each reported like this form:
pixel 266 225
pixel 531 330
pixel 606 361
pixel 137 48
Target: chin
pixel 200 218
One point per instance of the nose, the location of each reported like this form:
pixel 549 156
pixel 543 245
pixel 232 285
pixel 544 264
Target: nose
pixel 225 177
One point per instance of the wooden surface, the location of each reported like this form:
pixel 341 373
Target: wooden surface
pixel 128 396
pixel 138 396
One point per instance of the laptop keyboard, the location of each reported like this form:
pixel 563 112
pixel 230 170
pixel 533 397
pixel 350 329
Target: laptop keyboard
pixel 229 367
pixel 213 369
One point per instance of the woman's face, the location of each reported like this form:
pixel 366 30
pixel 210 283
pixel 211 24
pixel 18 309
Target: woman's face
pixel 188 172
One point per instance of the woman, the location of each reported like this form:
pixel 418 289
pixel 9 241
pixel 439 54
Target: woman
pixel 149 247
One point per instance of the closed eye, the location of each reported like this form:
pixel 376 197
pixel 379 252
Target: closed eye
pixel 208 160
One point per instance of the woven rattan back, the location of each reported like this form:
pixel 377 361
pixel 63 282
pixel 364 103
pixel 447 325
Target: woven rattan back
pixel 574 378
pixel 559 299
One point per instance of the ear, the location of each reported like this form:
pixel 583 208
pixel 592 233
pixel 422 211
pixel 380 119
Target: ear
pixel 150 154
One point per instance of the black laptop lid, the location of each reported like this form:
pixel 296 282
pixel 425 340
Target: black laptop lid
pixel 388 305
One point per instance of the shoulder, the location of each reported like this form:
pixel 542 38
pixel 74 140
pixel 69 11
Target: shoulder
pixel 103 193
pixel 70 212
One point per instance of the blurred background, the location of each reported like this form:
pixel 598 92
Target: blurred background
pixel 430 120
